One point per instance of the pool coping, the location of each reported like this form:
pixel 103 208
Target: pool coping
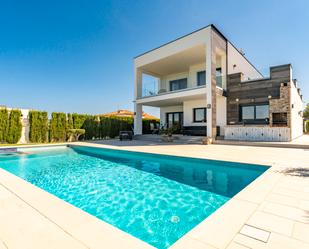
pixel 78 223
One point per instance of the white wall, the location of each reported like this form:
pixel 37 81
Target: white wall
pixel 257 133
pixel 191 75
pixel 296 109
pixel 188 111
pixel 242 65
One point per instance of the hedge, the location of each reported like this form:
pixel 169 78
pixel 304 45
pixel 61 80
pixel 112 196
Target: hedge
pixel 69 121
pixel 149 125
pixel 58 126
pixel 78 120
pixel 91 126
pixel 62 126
pixel 14 127
pixel 38 122
pixel 4 123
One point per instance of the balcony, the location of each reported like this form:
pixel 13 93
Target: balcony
pixel 152 86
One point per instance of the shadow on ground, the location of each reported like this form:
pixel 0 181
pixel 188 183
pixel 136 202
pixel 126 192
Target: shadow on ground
pixel 300 172
pixel 114 142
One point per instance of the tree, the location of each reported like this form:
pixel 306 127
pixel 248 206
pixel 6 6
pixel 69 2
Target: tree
pixel 58 127
pixel 4 123
pixel 14 127
pixel 306 111
pixel 38 127
pixel 74 134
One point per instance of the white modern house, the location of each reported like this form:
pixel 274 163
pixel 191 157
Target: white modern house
pixel 205 86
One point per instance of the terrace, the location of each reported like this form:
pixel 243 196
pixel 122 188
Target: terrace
pixel 274 208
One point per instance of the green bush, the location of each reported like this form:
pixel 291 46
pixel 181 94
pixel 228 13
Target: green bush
pixel 91 126
pixel 58 127
pixel 78 120
pixel 69 121
pixel 149 125
pixel 74 134
pixel 4 123
pixel 14 127
pixel 38 122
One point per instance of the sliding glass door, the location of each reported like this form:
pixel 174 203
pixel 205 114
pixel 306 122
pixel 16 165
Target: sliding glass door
pixel 174 119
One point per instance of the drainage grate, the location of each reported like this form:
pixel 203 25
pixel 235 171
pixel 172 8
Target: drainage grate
pixel 255 233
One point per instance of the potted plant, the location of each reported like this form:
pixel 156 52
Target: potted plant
pixel 167 133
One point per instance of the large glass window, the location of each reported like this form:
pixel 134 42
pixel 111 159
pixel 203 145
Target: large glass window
pixel 199 115
pixel 201 78
pixel 262 111
pixel 254 113
pixel 174 119
pixel 247 112
pixel 178 84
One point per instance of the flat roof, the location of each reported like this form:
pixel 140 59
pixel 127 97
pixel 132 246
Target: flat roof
pixel 215 29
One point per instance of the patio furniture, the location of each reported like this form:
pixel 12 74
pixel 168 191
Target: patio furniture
pixel 125 135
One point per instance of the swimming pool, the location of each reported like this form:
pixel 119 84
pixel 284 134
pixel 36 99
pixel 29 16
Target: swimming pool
pixel 155 198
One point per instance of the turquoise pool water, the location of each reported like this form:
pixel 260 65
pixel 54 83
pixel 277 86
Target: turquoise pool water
pixel 155 198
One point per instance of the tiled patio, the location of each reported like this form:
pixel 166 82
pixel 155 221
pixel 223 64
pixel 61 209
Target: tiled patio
pixel 275 207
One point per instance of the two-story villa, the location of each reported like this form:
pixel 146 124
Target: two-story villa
pixel 205 86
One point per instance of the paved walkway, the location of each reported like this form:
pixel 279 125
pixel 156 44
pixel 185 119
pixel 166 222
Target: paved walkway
pixel 272 212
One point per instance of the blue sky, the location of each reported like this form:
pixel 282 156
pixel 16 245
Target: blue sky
pixel 77 56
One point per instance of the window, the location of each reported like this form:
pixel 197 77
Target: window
pixel 219 76
pixel 255 114
pixel 201 78
pixel 262 111
pixel 174 119
pixel 178 84
pixel 199 115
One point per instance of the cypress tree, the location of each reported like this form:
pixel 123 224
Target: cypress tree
pixel 58 125
pixel 14 127
pixel 38 127
pixel 4 123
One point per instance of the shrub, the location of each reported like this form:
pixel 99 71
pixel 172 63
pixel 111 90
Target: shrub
pixel 4 123
pixel 91 126
pixel 149 125
pixel 74 134
pixel 69 121
pixel 38 122
pixel 14 127
pixel 78 120
pixel 58 126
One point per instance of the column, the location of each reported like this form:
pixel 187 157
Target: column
pixel 138 119
pixel 211 87
pixel 138 108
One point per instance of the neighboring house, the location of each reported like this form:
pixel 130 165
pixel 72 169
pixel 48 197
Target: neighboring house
pixel 203 84
pixel 127 113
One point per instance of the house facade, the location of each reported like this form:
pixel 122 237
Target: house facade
pixel 204 86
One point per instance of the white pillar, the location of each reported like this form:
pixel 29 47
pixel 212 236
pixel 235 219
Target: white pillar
pixel 138 119
pixel 138 108
pixel 209 85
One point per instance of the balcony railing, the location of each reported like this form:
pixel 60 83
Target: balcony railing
pixel 153 89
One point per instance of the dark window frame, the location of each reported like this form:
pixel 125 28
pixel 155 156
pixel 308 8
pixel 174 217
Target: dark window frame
pixel 197 78
pixel 205 115
pixel 173 119
pixel 171 82
pixel 254 120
